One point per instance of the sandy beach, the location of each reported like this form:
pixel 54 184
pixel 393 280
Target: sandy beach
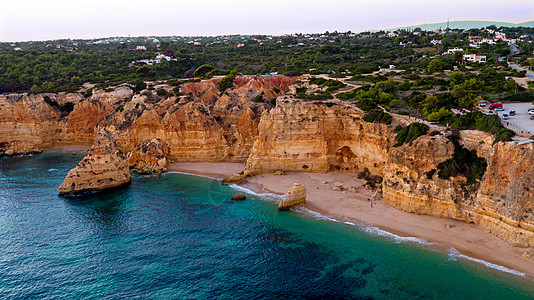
pixel 344 205
pixel 68 149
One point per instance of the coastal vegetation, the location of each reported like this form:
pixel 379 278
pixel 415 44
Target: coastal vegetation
pixel 65 65
pixel 410 133
pixel 463 162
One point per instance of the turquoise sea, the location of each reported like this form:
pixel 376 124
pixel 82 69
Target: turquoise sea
pixel 180 237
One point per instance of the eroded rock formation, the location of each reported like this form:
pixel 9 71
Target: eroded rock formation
pixel 296 196
pixel 103 167
pixel 148 158
pixel 275 132
pixel 309 136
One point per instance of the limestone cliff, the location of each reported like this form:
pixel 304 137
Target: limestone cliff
pixel 308 136
pixel 148 158
pixel 27 124
pixel 104 166
pixel 275 132
pixel 296 196
pixel 502 202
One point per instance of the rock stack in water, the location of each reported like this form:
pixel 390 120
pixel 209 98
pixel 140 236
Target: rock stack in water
pixel 148 158
pixel 296 196
pixel 104 166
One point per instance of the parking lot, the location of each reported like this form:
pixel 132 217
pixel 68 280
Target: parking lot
pixel 521 122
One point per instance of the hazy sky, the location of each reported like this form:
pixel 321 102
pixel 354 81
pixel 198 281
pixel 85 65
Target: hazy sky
pixel 22 20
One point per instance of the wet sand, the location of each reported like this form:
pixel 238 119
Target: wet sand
pixel 361 206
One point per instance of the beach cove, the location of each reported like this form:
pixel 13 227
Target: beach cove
pixel 180 236
pixel 344 206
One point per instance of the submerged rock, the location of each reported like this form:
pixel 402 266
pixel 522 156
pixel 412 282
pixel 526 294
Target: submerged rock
pixel 239 196
pixel 296 196
pixel 148 158
pixel 104 166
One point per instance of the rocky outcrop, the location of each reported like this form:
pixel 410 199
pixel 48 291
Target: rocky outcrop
pixel 104 167
pixel 502 202
pixel 273 133
pixel 238 196
pixel 148 158
pixel 27 124
pixel 478 140
pixel 80 126
pixel 234 178
pixel 308 136
pixel 296 196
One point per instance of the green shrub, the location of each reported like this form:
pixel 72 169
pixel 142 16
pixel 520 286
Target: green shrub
pixel 331 84
pixel 480 121
pixel 434 132
pixel 410 133
pixel 161 92
pixel 463 162
pixel 377 116
pixel 439 115
pixel 430 173
pixel 202 70
pixel 366 104
pixel 258 99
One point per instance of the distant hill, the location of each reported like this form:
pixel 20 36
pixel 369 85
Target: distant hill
pixel 464 25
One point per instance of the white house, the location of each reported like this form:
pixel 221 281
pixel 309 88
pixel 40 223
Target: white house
pixel 451 51
pixel 474 58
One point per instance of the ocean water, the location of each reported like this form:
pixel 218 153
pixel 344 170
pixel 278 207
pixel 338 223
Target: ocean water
pixel 180 237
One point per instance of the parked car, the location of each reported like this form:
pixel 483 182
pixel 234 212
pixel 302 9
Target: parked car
pixel 512 113
pixel 531 111
pixel 532 117
pixel 496 106
pixel 490 111
pixel 505 116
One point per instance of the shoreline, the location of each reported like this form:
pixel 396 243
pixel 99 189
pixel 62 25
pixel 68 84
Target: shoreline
pixel 471 242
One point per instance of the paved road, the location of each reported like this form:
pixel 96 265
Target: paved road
pixel 513 49
pixel 519 69
pixel 521 123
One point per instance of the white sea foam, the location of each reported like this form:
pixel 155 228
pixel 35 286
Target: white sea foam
pixel 372 230
pixel 236 187
pixel 183 173
pixel 52 170
pixel 268 196
pixel 454 255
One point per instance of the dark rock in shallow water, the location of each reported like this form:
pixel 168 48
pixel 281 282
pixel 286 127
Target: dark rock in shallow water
pixel 239 196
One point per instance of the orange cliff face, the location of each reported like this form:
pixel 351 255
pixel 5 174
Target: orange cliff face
pixel 502 202
pixel 202 126
pixel 103 167
pixel 295 135
pixel 307 136
pixel 27 124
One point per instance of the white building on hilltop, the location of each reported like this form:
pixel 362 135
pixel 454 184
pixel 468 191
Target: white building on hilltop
pixel 451 51
pixel 474 58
